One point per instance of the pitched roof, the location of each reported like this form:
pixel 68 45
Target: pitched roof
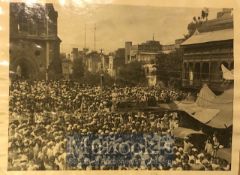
pixel 205 37
pixel 216 112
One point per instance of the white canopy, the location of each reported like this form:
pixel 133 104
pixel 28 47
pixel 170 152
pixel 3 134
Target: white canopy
pixel 227 74
pixel 215 111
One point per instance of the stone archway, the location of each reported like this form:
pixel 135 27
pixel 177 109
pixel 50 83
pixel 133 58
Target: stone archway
pixel 25 68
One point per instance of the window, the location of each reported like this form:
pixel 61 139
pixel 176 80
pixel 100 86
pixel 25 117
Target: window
pixel 215 73
pixel 197 71
pixel 41 26
pixel 186 70
pixel 32 26
pixel 205 70
pixel 23 23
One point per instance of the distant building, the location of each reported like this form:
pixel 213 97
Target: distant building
pixel 150 73
pixel 105 62
pixel 172 47
pixel 66 66
pixel 116 60
pixel 74 54
pixel 145 52
pixel 111 68
pixel 82 54
pixel 34 42
pixel 168 48
pixel 96 62
pixel 206 50
pixel 119 57
pixel 128 47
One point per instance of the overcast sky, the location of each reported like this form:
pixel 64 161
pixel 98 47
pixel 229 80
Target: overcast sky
pixel 116 24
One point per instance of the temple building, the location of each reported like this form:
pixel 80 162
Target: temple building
pixel 34 41
pixel 204 53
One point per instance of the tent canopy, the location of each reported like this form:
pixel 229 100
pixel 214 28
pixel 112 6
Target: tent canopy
pixel 215 111
pixel 227 74
pixel 205 96
pixel 181 132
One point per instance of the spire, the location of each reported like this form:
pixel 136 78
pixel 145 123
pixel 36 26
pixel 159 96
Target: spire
pixel 153 36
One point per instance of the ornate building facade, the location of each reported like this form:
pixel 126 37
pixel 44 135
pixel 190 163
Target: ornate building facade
pixel 34 43
pixel 206 50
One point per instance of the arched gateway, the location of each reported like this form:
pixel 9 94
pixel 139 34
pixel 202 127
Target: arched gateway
pixel 25 68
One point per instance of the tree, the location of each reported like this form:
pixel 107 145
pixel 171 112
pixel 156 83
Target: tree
pixel 94 79
pixel 78 69
pixel 132 74
pixel 169 67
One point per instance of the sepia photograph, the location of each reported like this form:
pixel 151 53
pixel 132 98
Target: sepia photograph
pixel 120 87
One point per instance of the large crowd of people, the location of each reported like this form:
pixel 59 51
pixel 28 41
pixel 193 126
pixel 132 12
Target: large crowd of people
pixel 37 96
pixel 64 125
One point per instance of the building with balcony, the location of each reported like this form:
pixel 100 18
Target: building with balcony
pixel 145 52
pixel 206 50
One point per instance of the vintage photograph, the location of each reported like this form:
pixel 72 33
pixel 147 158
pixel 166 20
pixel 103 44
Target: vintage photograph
pixel 120 87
